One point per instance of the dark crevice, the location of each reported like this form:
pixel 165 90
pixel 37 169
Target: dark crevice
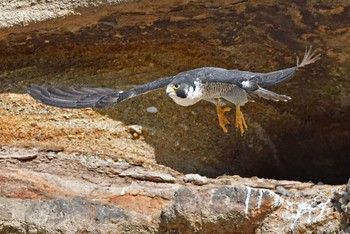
pixel 306 139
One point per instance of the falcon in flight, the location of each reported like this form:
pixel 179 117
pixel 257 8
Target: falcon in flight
pixel 212 84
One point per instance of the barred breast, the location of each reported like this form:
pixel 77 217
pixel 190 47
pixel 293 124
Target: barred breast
pixel 216 90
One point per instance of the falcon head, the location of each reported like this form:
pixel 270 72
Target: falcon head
pixel 183 91
pixel 180 90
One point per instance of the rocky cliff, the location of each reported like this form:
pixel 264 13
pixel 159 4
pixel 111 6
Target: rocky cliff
pixel 172 169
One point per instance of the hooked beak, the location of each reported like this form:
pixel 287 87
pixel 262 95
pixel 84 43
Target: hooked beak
pixel 169 90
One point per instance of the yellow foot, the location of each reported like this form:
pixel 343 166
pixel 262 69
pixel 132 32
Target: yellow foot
pixel 240 121
pixel 223 121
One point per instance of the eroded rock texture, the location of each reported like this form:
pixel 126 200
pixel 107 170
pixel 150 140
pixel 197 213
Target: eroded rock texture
pixel 125 168
pixel 56 192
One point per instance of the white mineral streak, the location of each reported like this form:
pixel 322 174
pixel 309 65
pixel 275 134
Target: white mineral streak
pixel 277 198
pixel 260 198
pixel 314 212
pixel 249 190
pixel 123 191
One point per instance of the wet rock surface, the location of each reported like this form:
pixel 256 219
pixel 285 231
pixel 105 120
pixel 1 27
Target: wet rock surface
pixel 150 166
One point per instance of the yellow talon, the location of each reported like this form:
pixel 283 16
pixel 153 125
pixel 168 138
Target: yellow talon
pixel 240 121
pixel 223 121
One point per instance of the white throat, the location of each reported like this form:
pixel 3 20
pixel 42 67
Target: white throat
pixel 193 96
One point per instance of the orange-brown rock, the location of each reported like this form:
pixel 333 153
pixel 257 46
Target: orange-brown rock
pixel 50 186
pixel 128 169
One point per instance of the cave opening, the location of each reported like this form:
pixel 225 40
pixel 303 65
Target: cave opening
pixel 136 51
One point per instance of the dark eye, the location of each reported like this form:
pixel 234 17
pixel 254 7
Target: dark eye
pixel 176 86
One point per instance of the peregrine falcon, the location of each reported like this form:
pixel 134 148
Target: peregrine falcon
pixel 212 84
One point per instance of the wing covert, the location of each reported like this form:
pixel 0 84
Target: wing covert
pixel 145 88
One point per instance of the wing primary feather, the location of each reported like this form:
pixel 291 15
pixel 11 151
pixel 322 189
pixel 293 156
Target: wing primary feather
pixel 73 97
pixel 309 57
pixel 80 97
pixel 275 77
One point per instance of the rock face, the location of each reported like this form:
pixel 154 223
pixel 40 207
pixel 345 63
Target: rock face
pixel 119 45
pixel 148 165
pixel 241 209
pixel 53 180
pixel 59 193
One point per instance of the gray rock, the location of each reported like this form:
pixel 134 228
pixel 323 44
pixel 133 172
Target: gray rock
pixel 140 173
pixel 196 179
pixel 230 209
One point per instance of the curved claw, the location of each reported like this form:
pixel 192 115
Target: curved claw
pixel 223 121
pixel 240 121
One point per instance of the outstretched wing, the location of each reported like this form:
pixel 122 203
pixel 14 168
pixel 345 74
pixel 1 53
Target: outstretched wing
pixel 249 81
pixel 253 85
pixel 74 98
pixel 275 77
pixel 69 97
pixel 252 82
